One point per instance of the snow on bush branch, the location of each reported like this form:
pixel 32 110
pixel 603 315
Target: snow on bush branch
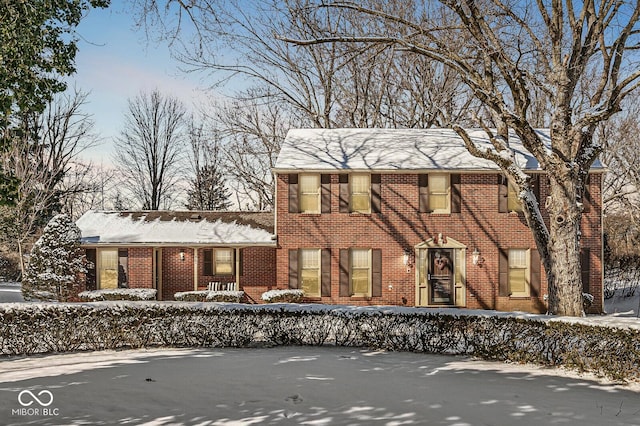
pixel 60 327
pixel 210 296
pixel 277 296
pixel 56 262
pixel 118 294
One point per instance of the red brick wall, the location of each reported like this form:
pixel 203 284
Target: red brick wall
pixel 140 267
pixel 400 225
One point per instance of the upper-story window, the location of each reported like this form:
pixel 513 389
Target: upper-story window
pixel 439 193
pixel 514 204
pixel 309 185
pixel 360 193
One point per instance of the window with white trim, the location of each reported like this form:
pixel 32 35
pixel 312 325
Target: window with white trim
pixel 360 272
pixel 309 265
pixel 309 185
pixel 223 261
pixel 519 273
pixel 360 193
pixel 514 204
pixel 439 193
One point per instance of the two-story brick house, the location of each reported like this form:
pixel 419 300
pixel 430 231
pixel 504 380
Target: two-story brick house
pixel 364 217
pixel 409 217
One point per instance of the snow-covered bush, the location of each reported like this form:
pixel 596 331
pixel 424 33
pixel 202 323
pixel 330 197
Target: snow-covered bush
pixel 59 327
pixel 283 296
pixel 209 296
pixel 118 294
pixel 56 262
pixel 587 301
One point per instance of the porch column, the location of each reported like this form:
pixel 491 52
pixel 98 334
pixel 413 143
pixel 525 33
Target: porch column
pixel 236 256
pixel 195 269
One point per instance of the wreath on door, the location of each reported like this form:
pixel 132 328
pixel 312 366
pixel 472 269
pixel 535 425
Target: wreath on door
pixel 441 262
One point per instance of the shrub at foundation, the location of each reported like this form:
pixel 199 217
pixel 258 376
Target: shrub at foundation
pixel 42 328
pixel 118 294
pixel 209 296
pixel 283 296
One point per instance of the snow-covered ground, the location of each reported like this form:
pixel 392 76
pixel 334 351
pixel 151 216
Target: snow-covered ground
pixel 301 385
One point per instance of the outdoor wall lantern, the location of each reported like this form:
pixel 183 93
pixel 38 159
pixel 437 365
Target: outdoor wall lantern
pixel 477 259
pixel 182 255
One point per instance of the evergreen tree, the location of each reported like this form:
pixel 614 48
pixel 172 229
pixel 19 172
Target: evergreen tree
pixel 208 190
pixel 56 262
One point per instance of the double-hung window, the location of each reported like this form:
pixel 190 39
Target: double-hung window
pixel 223 261
pixel 309 264
pixel 439 193
pixel 519 272
pixel 309 185
pixel 218 261
pixel 360 272
pixel 360 193
pixel 513 201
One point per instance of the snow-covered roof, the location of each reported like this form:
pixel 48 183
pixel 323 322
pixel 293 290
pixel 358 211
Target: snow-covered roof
pixel 392 150
pixel 171 227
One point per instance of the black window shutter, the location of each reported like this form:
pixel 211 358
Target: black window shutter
pixel 90 278
pixel 345 285
pixel 123 267
pixel 585 266
pixel 586 198
pixel 294 205
pixel 325 193
pixel 207 262
pixel 344 193
pixel 376 273
pixel 325 272
pixel 503 273
pixel 423 193
pixel 293 268
pixel 456 197
pixel 503 194
pixel 240 261
pixel 376 188
pixel 535 186
pixel 534 271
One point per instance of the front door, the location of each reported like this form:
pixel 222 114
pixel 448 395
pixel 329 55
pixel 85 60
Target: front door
pixel 440 276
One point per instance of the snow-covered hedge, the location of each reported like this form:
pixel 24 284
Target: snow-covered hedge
pixel 283 296
pixel 118 294
pixel 209 296
pixel 59 327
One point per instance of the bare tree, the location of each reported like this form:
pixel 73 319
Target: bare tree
pixel 252 134
pixel 149 150
pixel 98 183
pixel 507 53
pixel 42 166
pixel 207 187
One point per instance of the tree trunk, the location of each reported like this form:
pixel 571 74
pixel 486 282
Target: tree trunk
pixel 563 266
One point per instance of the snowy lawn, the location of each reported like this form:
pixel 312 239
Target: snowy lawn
pixel 303 385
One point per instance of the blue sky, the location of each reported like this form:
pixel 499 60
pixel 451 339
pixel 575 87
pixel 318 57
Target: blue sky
pixel 114 63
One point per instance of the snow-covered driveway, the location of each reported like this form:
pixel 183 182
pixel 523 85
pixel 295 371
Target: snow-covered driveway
pixel 299 385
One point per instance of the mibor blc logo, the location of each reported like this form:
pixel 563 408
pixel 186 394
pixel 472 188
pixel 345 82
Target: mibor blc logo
pixel 35 404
